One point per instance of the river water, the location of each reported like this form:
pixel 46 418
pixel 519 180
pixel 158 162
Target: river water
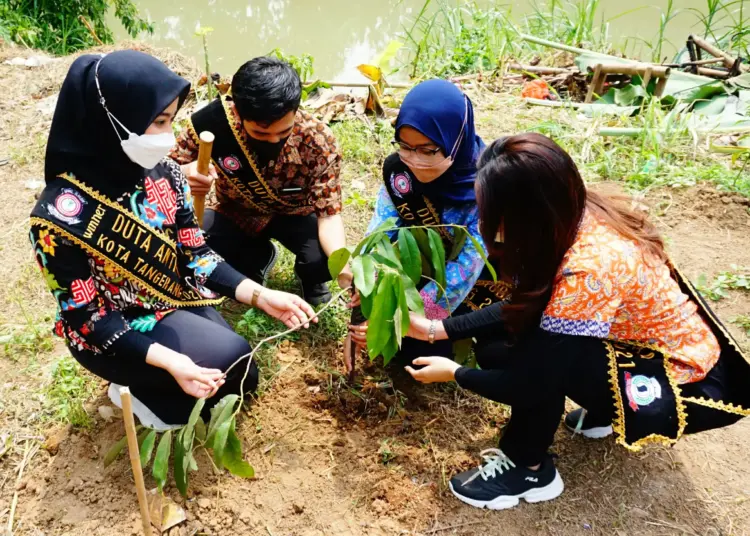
pixel 341 34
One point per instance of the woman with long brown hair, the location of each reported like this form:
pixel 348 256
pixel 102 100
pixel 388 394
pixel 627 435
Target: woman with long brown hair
pixel 597 313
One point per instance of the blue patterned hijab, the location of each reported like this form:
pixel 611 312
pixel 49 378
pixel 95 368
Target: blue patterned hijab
pixel 441 111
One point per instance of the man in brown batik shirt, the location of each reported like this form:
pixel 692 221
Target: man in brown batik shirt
pixel 276 172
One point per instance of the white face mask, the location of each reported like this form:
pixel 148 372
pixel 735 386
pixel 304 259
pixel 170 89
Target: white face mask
pixel 146 150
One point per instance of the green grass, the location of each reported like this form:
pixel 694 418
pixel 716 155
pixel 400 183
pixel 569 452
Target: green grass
pixel 367 144
pixel 743 321
pixel 71 387
pixel 718 288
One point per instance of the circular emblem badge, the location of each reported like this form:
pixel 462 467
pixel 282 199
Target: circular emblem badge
pixel 68 205
pixel 231 163
pixel 401 183
pixel 642 390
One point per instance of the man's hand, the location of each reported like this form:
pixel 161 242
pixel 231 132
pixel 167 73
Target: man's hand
pixel 437 369
pixel 199 184
pixel 359 334
pixel 289 308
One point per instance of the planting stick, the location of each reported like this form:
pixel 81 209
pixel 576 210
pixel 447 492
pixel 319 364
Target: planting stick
pixel 135 458
pixel 204 159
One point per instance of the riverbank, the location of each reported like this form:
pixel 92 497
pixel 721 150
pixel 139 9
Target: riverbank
pixel 373 459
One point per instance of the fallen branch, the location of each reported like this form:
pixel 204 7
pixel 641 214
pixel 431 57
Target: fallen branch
pixel 27 455
pixel 90 28
pixel 541 70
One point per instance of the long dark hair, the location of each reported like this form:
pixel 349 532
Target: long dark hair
pixel 531 188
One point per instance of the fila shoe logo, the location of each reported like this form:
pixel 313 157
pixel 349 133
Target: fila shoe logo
pixel 532 479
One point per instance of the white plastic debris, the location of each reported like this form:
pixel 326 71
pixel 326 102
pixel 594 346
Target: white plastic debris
pixel 33 61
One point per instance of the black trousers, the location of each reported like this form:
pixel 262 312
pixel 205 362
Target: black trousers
pixel 251 255
pixel 545 368
pixel 201 334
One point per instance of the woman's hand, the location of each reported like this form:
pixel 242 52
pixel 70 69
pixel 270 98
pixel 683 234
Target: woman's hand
pixel 437 369
pixel 195 380
pixel 289 308
pixel 419 327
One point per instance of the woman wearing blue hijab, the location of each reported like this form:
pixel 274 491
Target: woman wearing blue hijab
pixel 429 180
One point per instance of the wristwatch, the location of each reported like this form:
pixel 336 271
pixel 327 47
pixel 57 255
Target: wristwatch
pixel 431 333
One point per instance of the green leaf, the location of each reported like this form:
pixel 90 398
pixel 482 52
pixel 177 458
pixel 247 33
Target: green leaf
pixel 459 239
pixel 401 317
pixel 200 430
pixel 420 235
pixel 364 271
pixel 115 451
pixel 389 350
pixel 147 448
pixel 233 460
pixel 384 248
pixel 383 309
pixel 387 225
pixel 411 260
pixel 181 464
pixel 413 297
pixel 386 261
pixel 462 350
pixel 337 261
pixel 437 256
pixel 482 254
pixel 384 59
pixel 220 440
pixel 366 304
pixel 161 460
pixel 196 413
pixel 220 413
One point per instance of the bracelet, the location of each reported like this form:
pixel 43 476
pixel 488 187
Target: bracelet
pixel 254 299
pixel 431 333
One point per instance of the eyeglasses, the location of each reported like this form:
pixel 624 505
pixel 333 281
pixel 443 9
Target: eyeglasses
pixel 421 152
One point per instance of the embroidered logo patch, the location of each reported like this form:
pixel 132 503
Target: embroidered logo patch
pixel 191 237
pixel 401 184
pixel 641 390
pixel 67 207
pixel 230 163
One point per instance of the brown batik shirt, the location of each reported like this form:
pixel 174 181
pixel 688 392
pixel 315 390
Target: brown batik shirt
pixel 310 160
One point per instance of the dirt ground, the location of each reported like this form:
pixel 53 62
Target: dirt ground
pixel 333 460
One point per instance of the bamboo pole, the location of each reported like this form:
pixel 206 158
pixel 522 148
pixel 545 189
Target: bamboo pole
pixel 361 84
pixel 596 81
pixel 576 50
pixel 714 73
pixel 635 69
pixel 561 46
pixel 204 159
pixel 541 70
pixel 714 51
pixel 135 458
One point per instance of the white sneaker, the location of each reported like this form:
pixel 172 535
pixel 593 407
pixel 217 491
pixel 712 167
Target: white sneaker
pixel 575 422
pixel 146 417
